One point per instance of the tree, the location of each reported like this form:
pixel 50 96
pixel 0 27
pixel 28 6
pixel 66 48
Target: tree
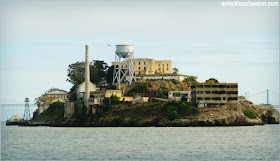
pixel 115 100
pixel 109 75
pixel 175 70
pixel 76 72
pixel 190 79
pixel 98 70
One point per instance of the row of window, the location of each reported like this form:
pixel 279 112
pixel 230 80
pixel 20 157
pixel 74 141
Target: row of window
pixel 57 96
pixel 217 92
pixel 139 68
pixel 216 98
pixel 215 86
pixel 178 94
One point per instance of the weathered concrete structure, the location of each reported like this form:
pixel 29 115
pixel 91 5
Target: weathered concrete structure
pixel 69 109
pixel 213 94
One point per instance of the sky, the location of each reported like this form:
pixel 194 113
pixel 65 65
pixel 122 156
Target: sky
pixel 39 39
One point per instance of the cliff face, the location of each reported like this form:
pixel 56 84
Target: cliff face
pixel 267 113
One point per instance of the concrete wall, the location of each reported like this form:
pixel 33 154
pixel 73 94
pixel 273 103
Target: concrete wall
pixel 126 98
pixel 69 109
pixel 109 93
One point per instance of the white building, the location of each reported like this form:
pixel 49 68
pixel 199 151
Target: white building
pixel 177 95
pixel 81 90
pixel 15 118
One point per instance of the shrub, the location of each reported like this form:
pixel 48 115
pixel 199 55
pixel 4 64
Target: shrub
pixel 140 88
pixel 190 79
pixel 249 114
pixel 175 109
pixel 53 114
pixel 115 100
pixel 184 98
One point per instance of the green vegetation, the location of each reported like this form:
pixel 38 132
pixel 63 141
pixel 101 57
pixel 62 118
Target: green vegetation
pixel 141 87
pixel 190 79
pixel 248 113
pixel 100 74
pixel 175 70
pixel 83 116
pixel 115 100
pixel 35 114
pixel 184 99
pixel 175 109
pixel 163 90
pixel 53 114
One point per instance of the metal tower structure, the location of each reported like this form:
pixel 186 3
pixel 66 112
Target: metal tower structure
pixel 26 115
pixel 267 96
pixel 124 69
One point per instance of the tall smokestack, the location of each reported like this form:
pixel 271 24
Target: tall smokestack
pixel 87 77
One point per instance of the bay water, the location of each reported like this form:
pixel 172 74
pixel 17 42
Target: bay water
pixel 140 143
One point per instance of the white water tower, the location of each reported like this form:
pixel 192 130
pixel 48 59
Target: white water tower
pixel 124 69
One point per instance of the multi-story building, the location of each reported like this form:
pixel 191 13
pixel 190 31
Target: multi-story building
pixel 214 94
pixel 53 95
pixel 145 66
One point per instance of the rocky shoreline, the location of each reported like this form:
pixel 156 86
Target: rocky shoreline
pixel 128 116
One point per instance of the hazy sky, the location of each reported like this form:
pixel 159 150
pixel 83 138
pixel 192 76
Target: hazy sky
pixel 39 39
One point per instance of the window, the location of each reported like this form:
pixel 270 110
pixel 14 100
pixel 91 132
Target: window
pixel 139 68
pixel 186 95
pixel 144 68
pixel 167 65
pixel 159 65
pixel 139 73
pixel 144 63
pixel 167 69
pixel 162 65
pixel 176 94
pixel 139 63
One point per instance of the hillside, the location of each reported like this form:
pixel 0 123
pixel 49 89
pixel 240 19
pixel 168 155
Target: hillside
pixel 54 114
pixel 180 114
pixel 157 86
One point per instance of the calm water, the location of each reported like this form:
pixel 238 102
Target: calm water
pixel 148 143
